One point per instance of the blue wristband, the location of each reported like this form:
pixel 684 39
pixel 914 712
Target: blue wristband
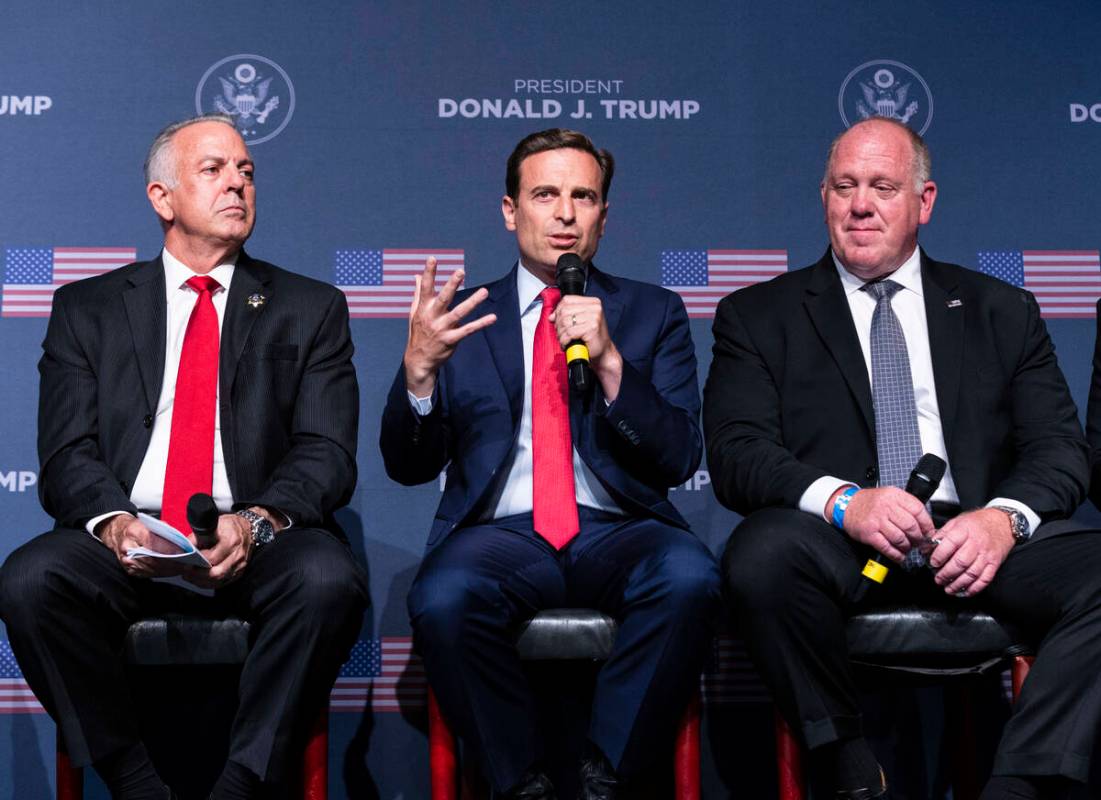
pixel 841 504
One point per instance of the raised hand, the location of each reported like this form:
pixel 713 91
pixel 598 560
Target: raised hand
pixel 435 331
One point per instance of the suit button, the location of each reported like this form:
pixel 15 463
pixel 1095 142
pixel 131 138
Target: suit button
pixel 871 473
pixel 147 420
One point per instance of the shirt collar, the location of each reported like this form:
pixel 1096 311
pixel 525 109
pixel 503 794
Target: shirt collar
pixel 908 275
pixel 528 287
pixel 177 273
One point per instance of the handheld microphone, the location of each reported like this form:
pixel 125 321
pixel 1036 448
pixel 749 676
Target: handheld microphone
pixel 923 481
pixel 570 277
pixel 202 516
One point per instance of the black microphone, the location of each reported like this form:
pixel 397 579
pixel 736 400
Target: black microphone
pixel 202 516
pixel 923 481
pixel 570 277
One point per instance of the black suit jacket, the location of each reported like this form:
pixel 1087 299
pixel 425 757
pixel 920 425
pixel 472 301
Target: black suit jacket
pixel 288 396
pixel 648 439
pixel 1093 419
pixel 788 399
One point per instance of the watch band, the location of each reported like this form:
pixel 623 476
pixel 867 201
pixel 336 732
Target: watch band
pixel 262 530
pixel 1018 523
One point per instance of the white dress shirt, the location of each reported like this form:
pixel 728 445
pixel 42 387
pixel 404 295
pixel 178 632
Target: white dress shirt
pixel 180 300
pixel 909 306
pixel 512 493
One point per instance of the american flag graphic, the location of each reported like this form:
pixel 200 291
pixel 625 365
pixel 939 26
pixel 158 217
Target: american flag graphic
pixel 729 678
pixel 33 274
pixel 15 696
pixel 383 673
pixel 1066 283
pixel 379 283
pixel 704 277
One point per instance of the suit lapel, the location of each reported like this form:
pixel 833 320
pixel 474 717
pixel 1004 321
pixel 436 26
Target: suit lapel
pixel 146 313
pixel 946 339
pixel 601 286
pixel 828 308
pixel 250 282
pixel 505 340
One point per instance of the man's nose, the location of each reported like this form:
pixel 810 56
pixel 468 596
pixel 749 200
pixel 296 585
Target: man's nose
pixel 862 205
pixel 235 180
pixel 564 209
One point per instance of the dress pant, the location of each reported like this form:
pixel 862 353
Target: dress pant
pixel 67 604
pixel 792 580
pixel 474 589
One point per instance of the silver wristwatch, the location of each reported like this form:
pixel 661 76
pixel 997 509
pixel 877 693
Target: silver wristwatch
pixel 262 530
pixel 1018 522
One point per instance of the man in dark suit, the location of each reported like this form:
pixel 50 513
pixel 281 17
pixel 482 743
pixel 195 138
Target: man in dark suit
pixel 554 497
pixel 204 371
pixel 827 384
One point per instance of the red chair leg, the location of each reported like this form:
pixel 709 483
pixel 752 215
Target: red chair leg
pixel 443 762
pixel 70 779
pixel 315 761
pixel 686 753
pixel 789 762
pixel 1019 671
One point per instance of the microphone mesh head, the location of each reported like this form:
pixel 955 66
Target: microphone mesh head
pixel 570 274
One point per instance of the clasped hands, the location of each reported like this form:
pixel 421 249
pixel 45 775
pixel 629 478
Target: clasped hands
pixel 435 330
pixel 228 557
pixel 965 554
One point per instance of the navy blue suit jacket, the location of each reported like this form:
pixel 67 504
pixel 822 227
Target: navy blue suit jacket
pixel 647 441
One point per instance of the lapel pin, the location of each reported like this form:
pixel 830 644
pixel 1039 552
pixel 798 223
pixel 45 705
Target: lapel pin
pixel 256 300
pixel 953 303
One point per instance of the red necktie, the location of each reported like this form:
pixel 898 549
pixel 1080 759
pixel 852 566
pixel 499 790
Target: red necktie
pixel 190 466
pixel 554 503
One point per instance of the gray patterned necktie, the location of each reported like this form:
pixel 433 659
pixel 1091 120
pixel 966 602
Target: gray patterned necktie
pixel 897 440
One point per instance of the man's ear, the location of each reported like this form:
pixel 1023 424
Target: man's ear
pixel 160 197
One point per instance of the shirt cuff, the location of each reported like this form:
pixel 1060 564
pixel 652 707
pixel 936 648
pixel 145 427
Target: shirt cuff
pixel 421 405
pixel 1032 517
pixel 90 525
pixel 814 499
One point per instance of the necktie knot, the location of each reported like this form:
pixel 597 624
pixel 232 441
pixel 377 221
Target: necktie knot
pixel 550 297
pixel 882 289
pixel 204 283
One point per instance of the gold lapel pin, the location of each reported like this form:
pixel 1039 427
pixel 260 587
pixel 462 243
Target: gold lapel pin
pixel 256 300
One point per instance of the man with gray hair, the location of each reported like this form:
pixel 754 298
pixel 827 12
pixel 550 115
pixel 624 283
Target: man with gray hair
pixel 828 385
pixel 201 372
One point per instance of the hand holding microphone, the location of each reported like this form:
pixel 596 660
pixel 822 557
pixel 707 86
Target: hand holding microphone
pixel 923 481
pixel 570 277
pixel 202 516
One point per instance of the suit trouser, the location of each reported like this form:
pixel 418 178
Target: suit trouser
pixel 793 579
pixel 67 604
pixel 474 588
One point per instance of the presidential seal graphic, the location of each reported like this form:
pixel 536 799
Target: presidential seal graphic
pixel 886 89
pixel 254 90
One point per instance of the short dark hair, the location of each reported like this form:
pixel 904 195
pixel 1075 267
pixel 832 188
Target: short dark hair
pixel 557 139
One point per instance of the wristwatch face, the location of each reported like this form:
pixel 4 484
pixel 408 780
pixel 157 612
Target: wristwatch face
pixel 1018 523
pixel 262 530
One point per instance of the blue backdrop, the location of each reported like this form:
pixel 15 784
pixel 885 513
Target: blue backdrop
pixel 381 127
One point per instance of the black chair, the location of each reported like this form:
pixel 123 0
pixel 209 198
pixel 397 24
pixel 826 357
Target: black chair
pixel 178 640
pixel 938 642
